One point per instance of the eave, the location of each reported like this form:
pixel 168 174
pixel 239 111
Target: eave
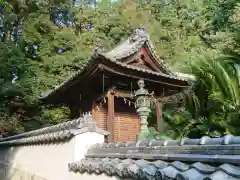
pixel 113 62
pixel 101 63
pixel 157 77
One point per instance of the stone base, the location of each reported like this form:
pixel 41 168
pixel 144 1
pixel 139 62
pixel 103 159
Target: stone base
pixel 145 135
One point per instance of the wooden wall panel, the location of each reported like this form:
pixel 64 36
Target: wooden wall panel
pixel 126 122
pixel 127 126
pixel 99 114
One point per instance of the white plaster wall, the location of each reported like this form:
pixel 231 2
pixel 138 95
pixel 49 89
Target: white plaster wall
pixel 86 176
pixel 50 161
pixel 82 143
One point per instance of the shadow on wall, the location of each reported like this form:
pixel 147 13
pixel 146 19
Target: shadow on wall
pixel 32 155
pixel 13 165
pixel 7 156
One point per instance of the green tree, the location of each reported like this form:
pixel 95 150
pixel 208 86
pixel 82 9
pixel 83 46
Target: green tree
pixel 58 37
pixel 212 106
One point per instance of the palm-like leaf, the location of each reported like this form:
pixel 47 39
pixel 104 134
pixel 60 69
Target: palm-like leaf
pixel 212 107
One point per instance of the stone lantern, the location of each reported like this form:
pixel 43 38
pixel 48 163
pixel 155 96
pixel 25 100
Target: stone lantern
pixel 142 104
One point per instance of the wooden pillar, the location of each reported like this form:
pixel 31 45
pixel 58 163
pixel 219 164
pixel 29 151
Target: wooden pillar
pixel 110 116
pixel 159 116
pixel 93 110
pixel 75 112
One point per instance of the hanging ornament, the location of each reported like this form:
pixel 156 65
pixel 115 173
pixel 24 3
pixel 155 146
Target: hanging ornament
pixel 124 100
pixel 97 108
pixel 104 100
pixel 129 103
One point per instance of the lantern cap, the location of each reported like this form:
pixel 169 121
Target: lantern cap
pixel 141 91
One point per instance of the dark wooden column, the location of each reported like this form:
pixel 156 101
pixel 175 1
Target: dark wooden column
pixel 159 116
pixel 75 112
pixel 93 110
pixel 110 115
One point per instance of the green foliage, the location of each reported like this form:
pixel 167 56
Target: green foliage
pixel 212 106
pixel 56 115
pixel 201 34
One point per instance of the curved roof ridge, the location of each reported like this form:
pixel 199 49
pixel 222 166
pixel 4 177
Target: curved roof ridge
pixel 153 143
pixel 127 47
pixel 58 131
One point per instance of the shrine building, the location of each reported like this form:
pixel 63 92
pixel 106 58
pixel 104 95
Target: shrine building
pixel 105 84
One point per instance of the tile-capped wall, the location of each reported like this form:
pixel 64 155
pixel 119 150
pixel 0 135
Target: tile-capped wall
pixel 46 152
pixel 187 159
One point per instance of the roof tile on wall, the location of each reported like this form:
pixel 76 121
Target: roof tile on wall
pixel 59 132
pixel 156 169
pixel 187 159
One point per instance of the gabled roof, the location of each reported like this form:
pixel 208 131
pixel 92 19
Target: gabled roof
pixel 133 44
pixel 127 48
pixel 186 159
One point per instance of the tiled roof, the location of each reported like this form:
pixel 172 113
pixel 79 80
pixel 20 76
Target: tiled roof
pixel 133 44
pixel 57 132
pixel 154 170
pixel 186 159
pixel 125 49
pixel 185 76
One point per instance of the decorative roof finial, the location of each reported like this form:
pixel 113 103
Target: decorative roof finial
pixel 138 33
pixel 98 48
pixel 95 51
pixel 143 28
pixel 142 31
pixel 88 117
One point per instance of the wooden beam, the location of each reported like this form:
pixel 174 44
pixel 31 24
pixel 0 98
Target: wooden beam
pixel 110 116
pixel 102 95
pixel 127 94
pixel 122 93
pixel 146 77
pixel 132 58
pixel 159 116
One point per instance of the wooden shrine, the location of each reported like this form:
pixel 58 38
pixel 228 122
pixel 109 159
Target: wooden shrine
pixel 105 84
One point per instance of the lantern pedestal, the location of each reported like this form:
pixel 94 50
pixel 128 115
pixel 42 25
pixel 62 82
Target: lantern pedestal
pixel 144 133
pixel 143 104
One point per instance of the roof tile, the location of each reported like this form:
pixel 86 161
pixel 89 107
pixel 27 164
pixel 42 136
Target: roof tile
pixel 192 174
pixel 180 166
pixel 188 159
pixel 59 132
pixel 170 172
pixel 147 170
pixel 220 175
pixel 230 169
pixel 203 168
